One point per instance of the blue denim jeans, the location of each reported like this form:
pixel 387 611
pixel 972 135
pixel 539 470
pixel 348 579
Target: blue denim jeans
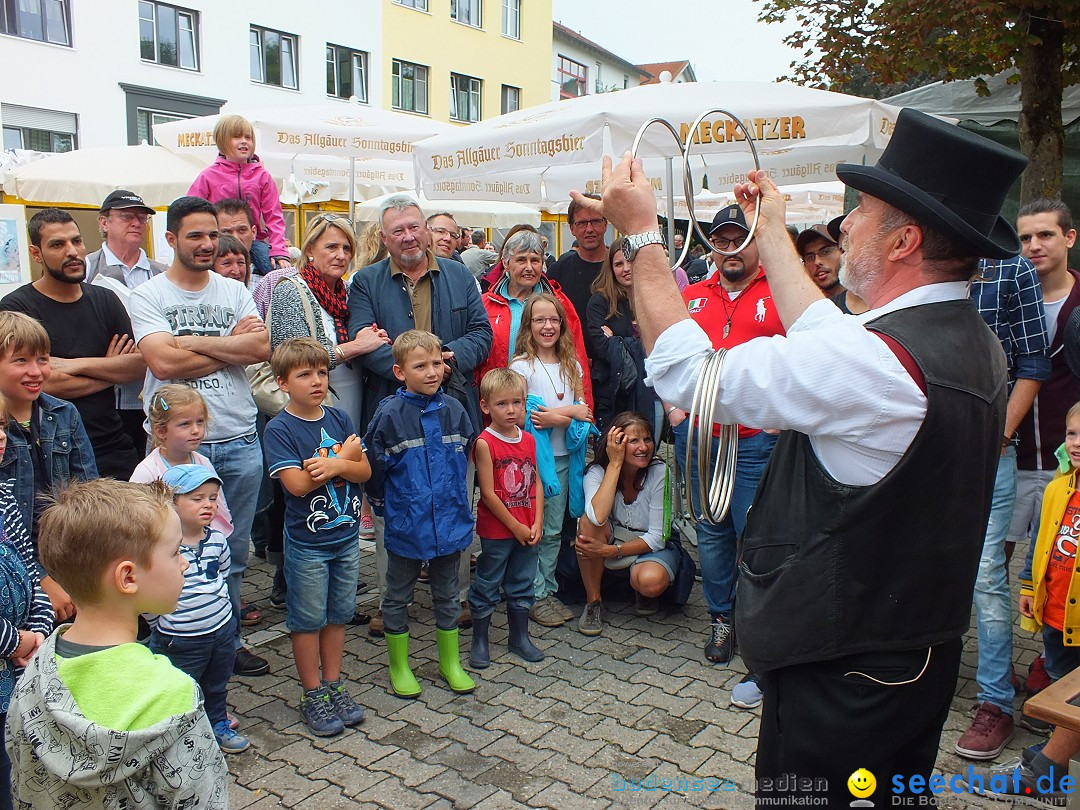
pixel 260 257
pixel 322 584
pixel 208 659
pixel 717 545
pixel 504 565
pixel 1060 660
pixel 239 464
pixel 993 607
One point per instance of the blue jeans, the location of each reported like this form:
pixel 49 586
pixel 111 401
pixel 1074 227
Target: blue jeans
pixel 993 607
pixel 503 565
pixel 321 584
pixel 717 545
pixel 208 659
pixel 239 464
pixel 1060 660
pixel 260 257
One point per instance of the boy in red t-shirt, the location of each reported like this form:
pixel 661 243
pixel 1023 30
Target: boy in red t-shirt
pixel 509 517
pixel 1050 585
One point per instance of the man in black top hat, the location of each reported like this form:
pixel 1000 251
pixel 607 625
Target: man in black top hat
pixel 860 553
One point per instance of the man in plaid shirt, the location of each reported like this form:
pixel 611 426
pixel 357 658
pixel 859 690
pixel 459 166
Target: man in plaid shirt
pixel 1009 297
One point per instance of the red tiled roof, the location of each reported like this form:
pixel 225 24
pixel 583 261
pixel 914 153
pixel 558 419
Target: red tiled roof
pixel 654 69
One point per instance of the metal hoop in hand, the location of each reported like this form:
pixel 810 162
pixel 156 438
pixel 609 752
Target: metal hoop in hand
pixel 688 186
pixel 716 478
pixel 704 237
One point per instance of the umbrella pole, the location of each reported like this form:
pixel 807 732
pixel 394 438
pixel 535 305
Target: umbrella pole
pixel 670 204
pixel 352 193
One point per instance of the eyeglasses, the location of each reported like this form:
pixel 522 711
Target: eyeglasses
pixel 598 223
pixel 726 244
pixel 330 218
pixel 825 252
pixel 545 321
pixel 445 232
pixel 132 216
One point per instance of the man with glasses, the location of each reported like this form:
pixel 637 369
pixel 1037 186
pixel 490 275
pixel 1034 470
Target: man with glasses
pixel 444 236
pixel 821 258
pixel 733 306
pixel 576 271
pixel 478 258
pixel 121 265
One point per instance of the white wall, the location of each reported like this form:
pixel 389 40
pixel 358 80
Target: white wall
pixel 611 73
pixel 85 79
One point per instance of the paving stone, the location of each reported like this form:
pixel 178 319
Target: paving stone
pixel 558 796
pixel 408 768
pixel 472 737
pixel 393 794
pixel 461 792
pixel 629 740
pixel 665 748
pixel 460 760
pixel 513 723
pixel 526 757
pixel 348 775
pixel 303 756
pixel 520 784
pixel 288 783
pixel 656 696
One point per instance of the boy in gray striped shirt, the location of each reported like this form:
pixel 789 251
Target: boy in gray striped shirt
pixel 198 637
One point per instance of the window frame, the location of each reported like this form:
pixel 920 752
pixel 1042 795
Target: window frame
pixel 455 10
pixel 511 7
pixel 179 12
pixel 475 88
pixel 12 28
pixel 580 80
pixel 419 5
pixel 503 97
pixel 24 133
pixel 335 64
pixel 397 87
pixel 284 37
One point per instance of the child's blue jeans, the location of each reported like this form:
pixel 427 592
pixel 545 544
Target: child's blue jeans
pixel 504 565
pixel 401 575
pixel 208 659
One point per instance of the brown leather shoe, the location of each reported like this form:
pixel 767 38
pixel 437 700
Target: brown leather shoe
pixel 376 627
pixel 465 620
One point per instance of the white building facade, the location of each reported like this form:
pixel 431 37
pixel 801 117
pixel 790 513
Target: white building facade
pixel 581 67
pixel 84 73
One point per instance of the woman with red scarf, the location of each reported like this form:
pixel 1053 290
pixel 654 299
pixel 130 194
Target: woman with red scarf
pixel 325 256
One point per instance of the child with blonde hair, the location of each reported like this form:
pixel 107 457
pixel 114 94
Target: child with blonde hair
pixel 178 418
pixel 238 173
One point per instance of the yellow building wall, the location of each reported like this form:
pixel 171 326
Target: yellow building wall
pixel 445 46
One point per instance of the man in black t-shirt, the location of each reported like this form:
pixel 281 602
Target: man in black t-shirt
pixel 90 332
pixel 576 271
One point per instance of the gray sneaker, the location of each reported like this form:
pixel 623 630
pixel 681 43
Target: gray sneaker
pixel 318 713
pixel 591 622
pixel 545 613
pixel 347 710
pixel 565 613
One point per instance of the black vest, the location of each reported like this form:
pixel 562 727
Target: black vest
pixel 827 569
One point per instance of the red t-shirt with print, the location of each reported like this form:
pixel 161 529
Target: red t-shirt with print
pixel 513 464
pixel 1061 564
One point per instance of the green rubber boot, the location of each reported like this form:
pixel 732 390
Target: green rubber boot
pixel 450 662
pixel 402 680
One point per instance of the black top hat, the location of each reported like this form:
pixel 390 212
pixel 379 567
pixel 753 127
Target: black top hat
pixel 732 215
pixel 948 179
pixel 122 198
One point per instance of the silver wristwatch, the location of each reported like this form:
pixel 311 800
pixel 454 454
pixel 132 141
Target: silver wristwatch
pixel 636 242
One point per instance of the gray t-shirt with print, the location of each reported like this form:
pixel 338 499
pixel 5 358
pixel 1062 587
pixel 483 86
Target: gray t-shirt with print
pixel 158 305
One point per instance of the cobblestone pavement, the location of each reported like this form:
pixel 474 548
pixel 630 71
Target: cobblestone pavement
pixel 636 702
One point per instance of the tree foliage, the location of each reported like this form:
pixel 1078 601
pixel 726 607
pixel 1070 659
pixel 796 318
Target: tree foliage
pixel 875 47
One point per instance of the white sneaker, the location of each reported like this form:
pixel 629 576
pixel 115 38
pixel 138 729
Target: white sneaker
pixel 747 693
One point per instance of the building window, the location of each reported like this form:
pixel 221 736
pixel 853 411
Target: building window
pixel 409 87
pixel 273 58
pixel 573 77
pixel 43 20
pixel 511 99
pixel 466 11
pixel 346 73
pixel 464 98
pixel 511 18
pixel 147 119
pixel 625 82
pixel 420 4
pixel 169 35
pixel 38 129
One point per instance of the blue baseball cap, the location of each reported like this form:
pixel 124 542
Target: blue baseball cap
pixel 184 478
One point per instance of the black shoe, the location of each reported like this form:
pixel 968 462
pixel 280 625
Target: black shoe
pixel 721 645
pixel 249 664
pixel 279 589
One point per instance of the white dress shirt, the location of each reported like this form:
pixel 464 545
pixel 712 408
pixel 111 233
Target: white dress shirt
pixel 829 378
pixel 133 276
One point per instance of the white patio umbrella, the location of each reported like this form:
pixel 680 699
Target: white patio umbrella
pixel 539 153
pixel 87 176
pixel 476 213
pixel 331 143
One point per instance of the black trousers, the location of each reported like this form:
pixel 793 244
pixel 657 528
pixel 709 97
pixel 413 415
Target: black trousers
pixel 821 722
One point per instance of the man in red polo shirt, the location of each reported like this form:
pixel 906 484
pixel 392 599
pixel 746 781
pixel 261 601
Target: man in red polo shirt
pixel 733 305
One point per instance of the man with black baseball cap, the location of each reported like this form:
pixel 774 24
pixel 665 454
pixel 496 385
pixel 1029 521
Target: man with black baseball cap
pixel 821 257
pixel 860 554
pixel 121 265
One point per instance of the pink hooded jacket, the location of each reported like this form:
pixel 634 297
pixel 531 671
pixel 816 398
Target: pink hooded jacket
pixel 252 183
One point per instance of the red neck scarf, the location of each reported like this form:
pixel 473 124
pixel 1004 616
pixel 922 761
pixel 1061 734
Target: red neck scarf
pixel 332 299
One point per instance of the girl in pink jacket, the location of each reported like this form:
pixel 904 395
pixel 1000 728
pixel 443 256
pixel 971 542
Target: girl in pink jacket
pixel 238 174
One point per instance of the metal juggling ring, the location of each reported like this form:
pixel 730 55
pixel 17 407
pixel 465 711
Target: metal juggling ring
pixel 716 477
